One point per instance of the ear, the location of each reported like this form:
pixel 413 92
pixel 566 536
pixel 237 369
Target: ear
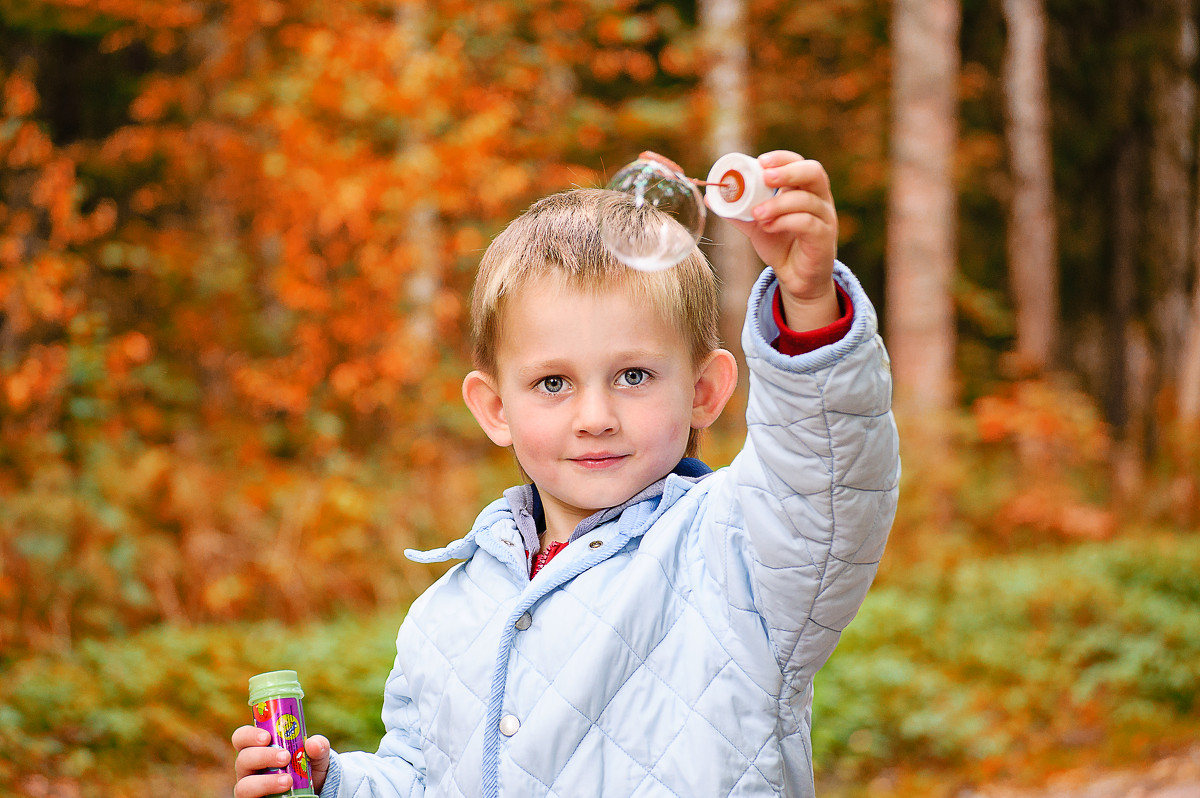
pixel 484 402
pixel 715 383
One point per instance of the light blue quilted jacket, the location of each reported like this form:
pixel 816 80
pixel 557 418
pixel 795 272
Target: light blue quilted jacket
pixel 671 650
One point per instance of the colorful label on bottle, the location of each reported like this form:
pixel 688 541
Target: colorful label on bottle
pixel 283 719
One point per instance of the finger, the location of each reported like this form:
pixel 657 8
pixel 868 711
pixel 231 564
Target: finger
pixel 804 174
pixel 252 760
pixel 802 226
pixel 317 748
pixel 794 201
pixel 778 158
pixel 247 736
pixel 797 212
pixel 262 785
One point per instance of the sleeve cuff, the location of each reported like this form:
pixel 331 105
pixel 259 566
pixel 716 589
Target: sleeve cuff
pixel 791 342
pixel 333 778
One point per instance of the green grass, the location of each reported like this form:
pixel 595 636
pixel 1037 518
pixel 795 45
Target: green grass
pixel 981 667
pixel 998 664
pixel 168 698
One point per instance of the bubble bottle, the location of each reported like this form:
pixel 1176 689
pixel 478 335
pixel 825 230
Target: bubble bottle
pixel 275 701
pixel 735 185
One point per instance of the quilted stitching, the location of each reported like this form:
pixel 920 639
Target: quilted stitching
pixel 697 681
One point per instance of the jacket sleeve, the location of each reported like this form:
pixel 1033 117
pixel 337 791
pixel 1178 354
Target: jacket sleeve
pixel 397 769
pixel 817 482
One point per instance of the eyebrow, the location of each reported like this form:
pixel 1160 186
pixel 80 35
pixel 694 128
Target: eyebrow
pixel 632 356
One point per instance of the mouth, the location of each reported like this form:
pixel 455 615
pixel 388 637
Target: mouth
pixel 599 460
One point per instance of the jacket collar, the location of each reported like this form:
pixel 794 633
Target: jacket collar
pixel 526 505
pixel 517 518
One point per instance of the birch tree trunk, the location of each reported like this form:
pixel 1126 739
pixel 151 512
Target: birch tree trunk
pixel 1172 159
pixel 1032 231
pixel 424 231
pixel 723 26
pixel 922 209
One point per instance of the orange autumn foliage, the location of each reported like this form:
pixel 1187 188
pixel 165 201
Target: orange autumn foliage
pixel 232 317
pixel 235 245
pixel 1055 448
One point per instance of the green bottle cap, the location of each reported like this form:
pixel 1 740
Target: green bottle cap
pixel 274 684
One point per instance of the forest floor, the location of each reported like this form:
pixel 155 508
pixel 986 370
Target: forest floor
pixel 1171 773
pixel 1171 777
pixel 1175 776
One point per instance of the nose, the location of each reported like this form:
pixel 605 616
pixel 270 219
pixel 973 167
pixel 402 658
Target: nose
pixel 595 413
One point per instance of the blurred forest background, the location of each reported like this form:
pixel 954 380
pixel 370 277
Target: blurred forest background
pixel 235 244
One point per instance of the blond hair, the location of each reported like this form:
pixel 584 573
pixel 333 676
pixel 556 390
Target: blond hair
pixel 558 238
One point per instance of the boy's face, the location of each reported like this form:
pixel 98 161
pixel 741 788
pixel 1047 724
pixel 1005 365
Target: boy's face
pixel 596 394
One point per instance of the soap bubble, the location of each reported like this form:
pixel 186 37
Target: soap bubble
pixel 668 221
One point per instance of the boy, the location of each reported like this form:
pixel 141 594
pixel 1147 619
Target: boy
pixel 629 623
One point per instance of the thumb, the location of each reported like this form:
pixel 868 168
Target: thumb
pixel 317 750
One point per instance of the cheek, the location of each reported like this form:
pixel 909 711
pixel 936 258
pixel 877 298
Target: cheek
pixel 668 424
pixel 532 440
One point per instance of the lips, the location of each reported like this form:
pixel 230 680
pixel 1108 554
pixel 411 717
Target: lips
pixel 599 460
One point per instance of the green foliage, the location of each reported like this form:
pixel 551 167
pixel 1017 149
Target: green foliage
pixel 172 696
pixel 999 661
pixel 984 665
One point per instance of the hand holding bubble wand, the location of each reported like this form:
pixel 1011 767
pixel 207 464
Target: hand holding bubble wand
pixel 734 187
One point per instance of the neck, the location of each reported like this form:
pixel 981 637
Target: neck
pixel 560 525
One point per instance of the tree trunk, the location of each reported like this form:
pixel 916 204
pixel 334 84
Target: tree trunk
pixel 1124 410
pixel 1032 232
pixel 1172 158
pixel 723 23
pixel 1128 166
pixel 922 210
pixel 424 234
pixel 1189 364
pixel 1189 369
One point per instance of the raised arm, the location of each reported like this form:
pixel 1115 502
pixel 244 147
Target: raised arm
pixel 817 482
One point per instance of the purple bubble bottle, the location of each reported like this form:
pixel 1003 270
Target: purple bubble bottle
pixel 275 699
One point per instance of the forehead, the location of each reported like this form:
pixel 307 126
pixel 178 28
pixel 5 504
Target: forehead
pixel 556 288
pixel 552 317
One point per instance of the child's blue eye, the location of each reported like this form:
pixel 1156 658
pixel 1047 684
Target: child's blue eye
pixel 634 376
pixel 552 384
